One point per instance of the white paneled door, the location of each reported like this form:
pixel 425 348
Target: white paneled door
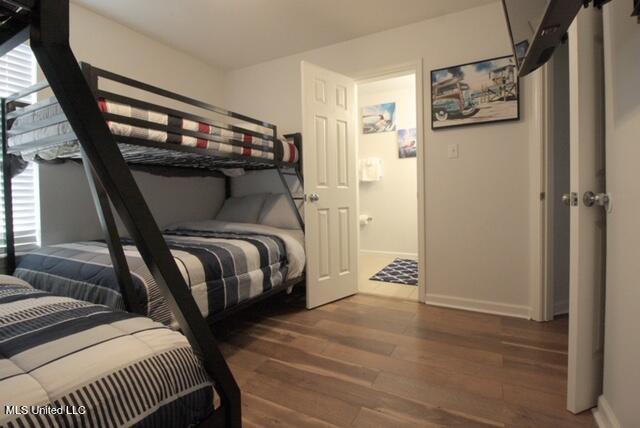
pixel 331 187
pixel 588 231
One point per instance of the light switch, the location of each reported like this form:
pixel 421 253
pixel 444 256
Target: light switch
pixel 452 151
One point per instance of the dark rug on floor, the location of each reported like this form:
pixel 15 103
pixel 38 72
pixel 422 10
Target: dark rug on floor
pixel 400 271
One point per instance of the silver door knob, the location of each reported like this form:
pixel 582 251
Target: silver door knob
pixel 314 197
pixel 590 199
pixel 566 199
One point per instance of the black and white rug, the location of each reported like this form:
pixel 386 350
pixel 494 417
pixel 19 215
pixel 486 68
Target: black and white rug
pixel 400 271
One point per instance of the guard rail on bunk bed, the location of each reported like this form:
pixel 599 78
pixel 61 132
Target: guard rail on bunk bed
pixel 107 158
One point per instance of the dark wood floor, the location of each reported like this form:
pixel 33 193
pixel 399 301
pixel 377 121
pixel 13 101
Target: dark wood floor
pixel 374 362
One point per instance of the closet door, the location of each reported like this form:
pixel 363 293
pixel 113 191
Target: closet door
pixel 588 216
pixel 331 186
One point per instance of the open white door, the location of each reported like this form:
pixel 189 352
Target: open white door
pixel 588 232
pixel 328 128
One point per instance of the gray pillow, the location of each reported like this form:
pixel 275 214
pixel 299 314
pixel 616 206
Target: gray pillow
pixel 245 209
pixel 278 212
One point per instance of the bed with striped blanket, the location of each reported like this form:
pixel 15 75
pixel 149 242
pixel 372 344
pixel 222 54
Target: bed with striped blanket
pixel 64 362
pixel 222 263
pixel 48 123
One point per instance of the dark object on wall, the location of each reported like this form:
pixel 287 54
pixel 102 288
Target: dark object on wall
pixel 542 23
pixel 474 93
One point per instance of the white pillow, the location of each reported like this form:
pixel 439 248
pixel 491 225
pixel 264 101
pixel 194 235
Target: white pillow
pixel 278 212
pixel 245 209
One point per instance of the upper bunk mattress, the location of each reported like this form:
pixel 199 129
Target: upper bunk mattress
pixel 49 127
pixel 222 263
pixel 102 368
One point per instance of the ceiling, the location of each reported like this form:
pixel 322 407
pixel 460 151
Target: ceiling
pixel 236 33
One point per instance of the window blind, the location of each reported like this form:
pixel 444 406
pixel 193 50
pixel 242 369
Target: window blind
pixel 18 71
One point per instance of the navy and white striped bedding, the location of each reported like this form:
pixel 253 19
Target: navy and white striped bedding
pixel 221 267
pixel 100 367
pixel 57 139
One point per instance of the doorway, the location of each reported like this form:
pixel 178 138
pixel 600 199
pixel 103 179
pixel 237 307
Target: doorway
pixel 330 131
pixel 388 186
pixel 558 184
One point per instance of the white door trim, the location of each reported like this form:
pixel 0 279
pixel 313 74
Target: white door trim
pixel 538 186
pixel 385 73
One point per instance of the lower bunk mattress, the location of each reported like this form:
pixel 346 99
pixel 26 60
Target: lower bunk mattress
pixel 67 363
pixel 222 263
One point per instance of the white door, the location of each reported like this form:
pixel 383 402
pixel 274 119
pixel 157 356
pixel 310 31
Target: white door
pixel 588 232
pixel 329 166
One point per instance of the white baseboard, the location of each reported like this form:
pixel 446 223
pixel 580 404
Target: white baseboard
pixel 561 307
pixel 483 306
pixel 389 254
pixel 604 416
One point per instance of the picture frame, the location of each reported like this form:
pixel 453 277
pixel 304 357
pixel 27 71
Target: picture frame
pixel 474 93
pixel 407 143
pixel 378 118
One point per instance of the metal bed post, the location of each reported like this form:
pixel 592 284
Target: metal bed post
pixel 297 139
pixel 290 197
pixel 50 43
pixel 7 193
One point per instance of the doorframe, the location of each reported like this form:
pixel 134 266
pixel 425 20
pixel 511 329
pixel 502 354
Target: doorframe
pixel 541 207
pixel 386 72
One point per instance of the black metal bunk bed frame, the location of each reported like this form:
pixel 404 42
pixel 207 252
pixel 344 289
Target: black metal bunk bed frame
pixel 46 24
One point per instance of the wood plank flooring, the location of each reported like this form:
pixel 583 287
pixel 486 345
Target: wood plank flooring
pixel 368 361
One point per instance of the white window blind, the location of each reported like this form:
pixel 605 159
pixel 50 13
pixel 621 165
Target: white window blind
pixel 18 71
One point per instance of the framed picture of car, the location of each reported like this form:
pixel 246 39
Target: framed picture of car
pixel 479 92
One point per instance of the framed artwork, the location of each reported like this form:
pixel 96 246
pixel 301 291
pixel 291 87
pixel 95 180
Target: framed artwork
pixel 407 143
pixel 521 50
pixel 379 118
pixel 479 92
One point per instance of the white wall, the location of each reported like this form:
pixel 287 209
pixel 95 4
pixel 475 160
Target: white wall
pixel 67 211
pixel 392 201
pixel 477 207
pixel 622 341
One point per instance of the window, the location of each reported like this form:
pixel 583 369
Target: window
pixel 18 71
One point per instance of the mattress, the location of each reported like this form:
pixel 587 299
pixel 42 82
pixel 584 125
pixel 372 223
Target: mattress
pixel 49 127
pixel 64 362
pixel 222 263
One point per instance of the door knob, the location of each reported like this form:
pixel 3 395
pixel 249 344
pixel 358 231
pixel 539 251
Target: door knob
pixel 590 199
pixel 314 197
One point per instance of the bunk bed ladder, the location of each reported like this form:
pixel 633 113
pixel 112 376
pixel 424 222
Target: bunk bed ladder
pixel 294 171
pixel 290 192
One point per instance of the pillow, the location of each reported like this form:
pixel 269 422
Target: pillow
pixel 278 212
pixel 245 209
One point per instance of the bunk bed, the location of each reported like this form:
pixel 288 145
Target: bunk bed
pixel 46 343
pixel 221 272
pixel 111 133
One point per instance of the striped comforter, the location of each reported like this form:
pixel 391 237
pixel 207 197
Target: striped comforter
pixel 53 126
pixel 221 267
pixel 69 363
